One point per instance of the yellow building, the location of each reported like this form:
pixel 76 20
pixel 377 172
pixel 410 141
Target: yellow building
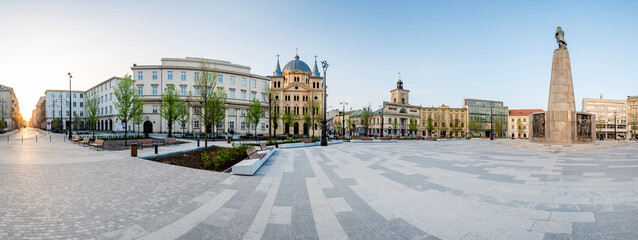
pixel 297 91
pixel 445 121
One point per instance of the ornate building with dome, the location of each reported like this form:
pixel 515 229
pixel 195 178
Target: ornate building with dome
pixel 297 91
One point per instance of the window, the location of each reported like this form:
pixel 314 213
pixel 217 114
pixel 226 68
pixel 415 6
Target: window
pixel 196 90
pixel 231 125
pixel 263 125
pixel 243 95
pixel 170 75
pixel 154 90
pixel 232 80
pixel 140 90
pixel 75 95
pixel 110 109
pixel 231 111
pixel 140 75
pixel 74 113
pixel 243 112
pixel 232 93
pixel 243 125
pixel 254 82
pixel 220 78
pixel 263 85
pixel 154 108
pixel 243 81
pixel 263 97
pixel 73 104
pixel 154 75
pixel 196 124
pixel 4 95
pixel 111 96
pixel 81 105
pixel 81 95
pixel 81 113
pixel 253 95
pixel 196 75
pixel 183 91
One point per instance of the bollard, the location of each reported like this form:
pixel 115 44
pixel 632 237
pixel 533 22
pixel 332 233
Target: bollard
pixel 36 138
pixel 156 148
pixel 134 150
pixel 49 138
pixel 22 138
pixel 7 138
pixel 197 142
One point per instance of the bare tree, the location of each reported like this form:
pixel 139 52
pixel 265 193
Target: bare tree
pixel 212 99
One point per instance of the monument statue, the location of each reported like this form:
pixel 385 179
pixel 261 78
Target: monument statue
pixel 539 125
pixel 560 38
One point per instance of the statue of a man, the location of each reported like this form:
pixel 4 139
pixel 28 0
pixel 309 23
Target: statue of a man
pixel 560 38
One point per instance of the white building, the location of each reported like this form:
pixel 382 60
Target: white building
pixel 240 86
pixel 611 117
pixel 58 102
pixel 518 120
pixel 107 113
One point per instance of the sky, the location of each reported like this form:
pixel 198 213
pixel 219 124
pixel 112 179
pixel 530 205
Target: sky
pixel 444 50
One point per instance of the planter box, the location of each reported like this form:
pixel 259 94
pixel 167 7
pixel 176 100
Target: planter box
pixel 301 144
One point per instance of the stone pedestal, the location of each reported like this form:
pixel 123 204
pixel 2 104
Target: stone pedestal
pixel 561 123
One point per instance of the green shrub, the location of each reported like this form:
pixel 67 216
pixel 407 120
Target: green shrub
pixel 206 158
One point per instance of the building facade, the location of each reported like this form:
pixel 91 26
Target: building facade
pixel 237 82
pixel 612 117
pixel 486 116
pixel 41 117
pixel 10 108
pixel 107 119
pixel 64 104
pixel 518 120
pixel 445 121
pixel 632 103
pixel 297 90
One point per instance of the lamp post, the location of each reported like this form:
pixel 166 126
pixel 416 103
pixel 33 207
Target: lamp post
pixel 382 109
pixel 615 126
pixel 324 141
pixel 343 118
pixel 491 123
pixel 69 126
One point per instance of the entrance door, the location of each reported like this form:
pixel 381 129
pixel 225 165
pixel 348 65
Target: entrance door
pixel 306 128
pixel 148 128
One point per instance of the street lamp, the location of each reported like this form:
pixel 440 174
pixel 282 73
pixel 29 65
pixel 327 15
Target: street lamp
pixel 382 109
pixel 70 108
pixel 491 122
pixel 324 141
pixel 615 126
pixel 343 118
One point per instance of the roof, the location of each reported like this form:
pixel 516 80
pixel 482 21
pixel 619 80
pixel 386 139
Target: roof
pixel 523 112
pixel 297 65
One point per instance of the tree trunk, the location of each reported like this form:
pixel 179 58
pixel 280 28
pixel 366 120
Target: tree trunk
pixel 126 133
pixel 205 136
pixel 170 128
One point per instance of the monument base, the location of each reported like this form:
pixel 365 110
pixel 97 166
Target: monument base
pixel 569 127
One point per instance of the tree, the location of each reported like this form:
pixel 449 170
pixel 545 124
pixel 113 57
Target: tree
pixel 315 108
pixel 519 127
pixel 212 99
pixel 273 115
pixel 337 125
pixel 3 125
pixel 76 122
pixel 307 119
pixel 91 107
pixel 289 119
pixel 255 111
pixel 395 125
pixel 430 126
pixel 56 125
pixel 413 126
pixel 128 101
pixel 172 107
pixel 138 117
pixel 498 127
pixel 349 124
pixel 184 117
pixel 634 127
pixel 474 126
pixel 366 113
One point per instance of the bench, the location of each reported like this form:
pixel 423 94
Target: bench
pixel 366 138
pixel 401 138
pixel 170 140
pixel 264 137
pixel 282 137
pixel 264 147
pixel 254 154
pixel 141 143
pixel 296 137
pixel 339 137
pixel 306 140
pixel 84 141
pixel 76 139
pixel 385 138
pixel 97 144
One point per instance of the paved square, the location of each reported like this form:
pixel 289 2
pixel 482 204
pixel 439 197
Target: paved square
pixel 405 190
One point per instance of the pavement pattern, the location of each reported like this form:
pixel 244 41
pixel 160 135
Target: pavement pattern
pixel 406 190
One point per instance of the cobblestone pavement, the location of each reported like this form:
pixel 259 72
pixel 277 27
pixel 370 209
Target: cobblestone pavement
pixel 405 190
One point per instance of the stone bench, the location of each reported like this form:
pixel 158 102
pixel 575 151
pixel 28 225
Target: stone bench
pixel 254 161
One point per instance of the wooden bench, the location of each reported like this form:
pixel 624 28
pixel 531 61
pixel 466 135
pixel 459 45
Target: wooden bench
pixel 306 140
pixel 296 137
pixel 401 138
pixel 264 137
pixel 339 137
pixel 170 140
pixel 385 138
pixel 84 141
pixel 141 143
pixel 366 138
pixel 264 147
pixel 253 153
pixel 97 144
pixel 282 137
pixel 76 139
